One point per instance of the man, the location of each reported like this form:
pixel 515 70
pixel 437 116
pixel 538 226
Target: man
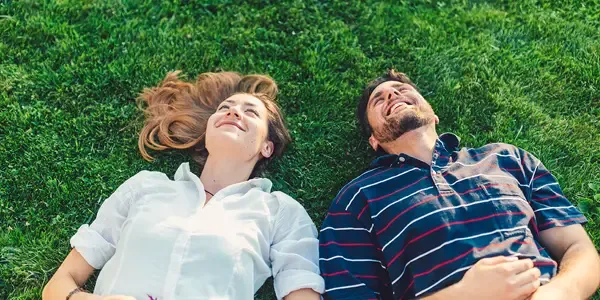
pixel 430 220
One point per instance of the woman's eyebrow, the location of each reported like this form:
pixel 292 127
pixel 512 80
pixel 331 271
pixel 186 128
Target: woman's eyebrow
pixel 250 104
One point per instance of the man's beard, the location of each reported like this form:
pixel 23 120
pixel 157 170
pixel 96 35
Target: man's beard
pixel 403 123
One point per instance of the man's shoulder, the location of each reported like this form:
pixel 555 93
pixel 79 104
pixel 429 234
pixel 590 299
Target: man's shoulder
pixel 349 192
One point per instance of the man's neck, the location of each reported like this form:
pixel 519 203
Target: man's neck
pixel 221 172
pixel 418 143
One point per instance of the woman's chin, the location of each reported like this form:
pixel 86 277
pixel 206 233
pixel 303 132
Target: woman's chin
pixel 229 137
pixel 229 143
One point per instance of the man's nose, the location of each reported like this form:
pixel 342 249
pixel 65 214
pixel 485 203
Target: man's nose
pixel 390 93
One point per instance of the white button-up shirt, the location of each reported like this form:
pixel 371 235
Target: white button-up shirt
pixel 156 238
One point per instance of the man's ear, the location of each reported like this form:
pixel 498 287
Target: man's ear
pixel 437 120
pixel 373 142
pixel 267 149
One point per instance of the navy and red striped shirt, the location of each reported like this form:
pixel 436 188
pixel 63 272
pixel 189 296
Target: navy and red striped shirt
pixel 405 229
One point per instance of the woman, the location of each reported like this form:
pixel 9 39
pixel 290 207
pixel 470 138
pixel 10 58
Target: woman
pixel 217 236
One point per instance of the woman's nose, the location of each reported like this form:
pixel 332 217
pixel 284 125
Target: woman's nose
pixel 233 112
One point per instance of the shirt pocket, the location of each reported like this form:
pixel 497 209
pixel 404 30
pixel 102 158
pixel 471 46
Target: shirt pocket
pixel 504 197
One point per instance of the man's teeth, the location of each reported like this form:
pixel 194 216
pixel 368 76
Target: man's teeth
pixel 396 106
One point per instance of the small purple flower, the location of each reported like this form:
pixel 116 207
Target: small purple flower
pixel 151 298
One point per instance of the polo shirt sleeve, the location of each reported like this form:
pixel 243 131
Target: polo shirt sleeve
pixel 351 260
pixel 294 251
pixel 548 201
pixel 97 241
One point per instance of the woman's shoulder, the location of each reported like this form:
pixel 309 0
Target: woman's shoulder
pixel 278 202
pixel 145 181
pixel 292 219
pixel 145 177
pixel 288 207
pixel 286 201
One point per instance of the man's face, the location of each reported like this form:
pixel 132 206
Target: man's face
pixel 395 108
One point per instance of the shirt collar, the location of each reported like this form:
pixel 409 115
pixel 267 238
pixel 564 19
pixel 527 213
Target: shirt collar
pixel 445 143
pixel 384 160
pixel 183 173
pixel 449 141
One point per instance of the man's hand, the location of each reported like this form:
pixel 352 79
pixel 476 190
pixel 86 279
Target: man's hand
pixel 502 278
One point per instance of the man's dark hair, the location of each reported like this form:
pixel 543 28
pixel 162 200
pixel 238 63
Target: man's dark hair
pixel 361 112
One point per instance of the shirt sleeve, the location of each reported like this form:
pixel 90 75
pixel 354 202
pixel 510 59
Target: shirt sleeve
pixel 549 204
pixel 350 260
pixel 294 250
pixel 97 241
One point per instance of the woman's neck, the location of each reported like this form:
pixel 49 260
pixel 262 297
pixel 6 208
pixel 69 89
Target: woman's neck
pixel 221 172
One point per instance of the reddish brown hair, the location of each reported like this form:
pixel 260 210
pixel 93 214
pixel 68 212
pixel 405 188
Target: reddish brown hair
pixel 176 112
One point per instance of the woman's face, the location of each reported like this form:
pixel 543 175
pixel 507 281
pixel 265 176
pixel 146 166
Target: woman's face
pixel 240 127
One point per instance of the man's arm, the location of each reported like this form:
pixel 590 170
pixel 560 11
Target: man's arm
pixel 559 231
pixel 350 261
pixel 579 264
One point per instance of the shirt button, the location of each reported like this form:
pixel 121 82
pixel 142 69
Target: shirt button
pixel 435 156
pixel 402 159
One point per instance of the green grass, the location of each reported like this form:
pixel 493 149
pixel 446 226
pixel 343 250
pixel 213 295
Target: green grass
pixel 521 72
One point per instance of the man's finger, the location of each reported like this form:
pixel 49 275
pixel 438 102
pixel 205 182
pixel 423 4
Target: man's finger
pixel 490 261
pixel 528 276
pixel 516 267
pixel 527 289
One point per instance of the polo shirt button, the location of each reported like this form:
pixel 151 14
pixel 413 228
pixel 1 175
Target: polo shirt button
pixel 402 159
pixel 435 156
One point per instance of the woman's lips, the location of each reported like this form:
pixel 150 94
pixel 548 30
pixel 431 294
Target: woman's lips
pixel 232 124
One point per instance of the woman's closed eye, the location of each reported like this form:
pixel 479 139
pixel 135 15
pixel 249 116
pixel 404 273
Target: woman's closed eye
pixel 253 112
pixel 223 106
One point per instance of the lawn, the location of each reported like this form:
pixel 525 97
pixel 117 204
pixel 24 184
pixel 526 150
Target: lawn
pixel 519 72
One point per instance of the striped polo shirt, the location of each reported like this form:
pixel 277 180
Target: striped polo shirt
pixel 405 229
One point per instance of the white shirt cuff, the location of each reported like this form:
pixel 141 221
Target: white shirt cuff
pixel 92 246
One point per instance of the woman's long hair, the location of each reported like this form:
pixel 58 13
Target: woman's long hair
pixel 176 112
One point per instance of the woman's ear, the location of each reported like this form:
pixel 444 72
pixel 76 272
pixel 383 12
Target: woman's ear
pixel 267 149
